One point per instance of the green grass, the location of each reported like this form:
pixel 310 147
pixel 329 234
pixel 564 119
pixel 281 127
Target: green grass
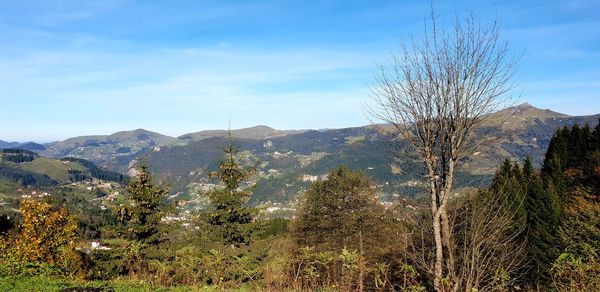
pixel 354 139
pixel 7 189
pixel 5 186
pixel 53 168
pixel 44 283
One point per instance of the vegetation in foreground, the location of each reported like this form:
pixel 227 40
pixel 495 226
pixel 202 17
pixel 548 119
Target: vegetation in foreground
pixel 529 230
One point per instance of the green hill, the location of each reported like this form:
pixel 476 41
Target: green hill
pixel 28 169
pixel 256 132
pixel 289 160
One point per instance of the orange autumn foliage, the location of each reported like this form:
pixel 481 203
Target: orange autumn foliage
pixel 46 232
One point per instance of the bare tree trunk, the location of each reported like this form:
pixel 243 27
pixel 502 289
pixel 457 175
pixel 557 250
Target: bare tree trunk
pixel 439 255
pixel 435 220
pixel 446 230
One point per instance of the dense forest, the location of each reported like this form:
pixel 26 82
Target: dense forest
pixel 529 230
pixel 26 178
pixel 17 155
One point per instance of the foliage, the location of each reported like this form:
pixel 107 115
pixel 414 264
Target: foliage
pixel 335 211
pixel 342 215
pixel 18 158
pixel 146 207
pixel 341 239
pixel 46 233
pixel 535 204
pixel 578 267
pixel 572 167
pixel 26 178
pixel 53 283
pixel 228 211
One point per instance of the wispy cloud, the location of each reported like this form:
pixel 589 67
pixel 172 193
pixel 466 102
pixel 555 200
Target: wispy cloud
pixel 71 67
pixel 286 88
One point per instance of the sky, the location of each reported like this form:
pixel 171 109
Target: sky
pixel 71 67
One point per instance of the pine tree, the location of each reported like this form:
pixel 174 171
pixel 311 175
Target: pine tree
pixel 556 160
pixel 229 212
pixel 509 181
pixel 147 206
pixel 342 214
pixel 596 135
pixel 541 227
pixel 336 209
pixel 535 205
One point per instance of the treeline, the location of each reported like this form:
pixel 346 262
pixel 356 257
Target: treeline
pixel 559 208
pixel 529 230
pixel 95 171
pixel 26 178
pixel 17 151
pixel 17 155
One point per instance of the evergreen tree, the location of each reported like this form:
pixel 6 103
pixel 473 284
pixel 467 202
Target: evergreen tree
pixel 542 222
pixel 229 212
pixel 509 182
pixel 336 210
pixel 535 204
pixel 596 135
pixel 342 215
pixel 556 160
pixel 577 267
pixel 147 206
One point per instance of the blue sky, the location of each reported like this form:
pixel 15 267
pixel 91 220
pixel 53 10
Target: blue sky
pixel 70 68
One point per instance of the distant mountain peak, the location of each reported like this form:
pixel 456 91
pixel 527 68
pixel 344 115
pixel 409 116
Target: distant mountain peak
pixel 526 110
pixel 525 105
pixel 262 127
pixel 258 132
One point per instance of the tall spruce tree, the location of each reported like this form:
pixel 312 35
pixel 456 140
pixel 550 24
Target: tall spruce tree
pixel 147 206
pixel 534 204
pixel 229 212
pixel 575 168
pixel 542 222
pixel 509 182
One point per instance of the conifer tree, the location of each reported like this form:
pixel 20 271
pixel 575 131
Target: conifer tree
pixel 147 206
pixel 229 212
pixel 337 209
pixel 509 182
pixel 596 135
pixel 342 213
pixel 541 226
pixel 535 204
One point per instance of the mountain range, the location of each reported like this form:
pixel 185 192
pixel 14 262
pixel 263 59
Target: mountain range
pixel 289 160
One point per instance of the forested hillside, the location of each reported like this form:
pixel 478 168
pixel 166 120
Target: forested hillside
pixel 539 228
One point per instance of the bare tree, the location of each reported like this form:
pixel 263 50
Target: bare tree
pixel 488 235
pixel 436 92
pixel 489 247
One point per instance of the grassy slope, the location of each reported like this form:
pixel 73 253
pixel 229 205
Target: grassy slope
pixel 6 187
pixel 53 168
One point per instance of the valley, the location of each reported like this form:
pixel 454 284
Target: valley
pixel 288 161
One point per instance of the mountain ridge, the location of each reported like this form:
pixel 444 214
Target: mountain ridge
pixel 290 160
pixel 264 131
